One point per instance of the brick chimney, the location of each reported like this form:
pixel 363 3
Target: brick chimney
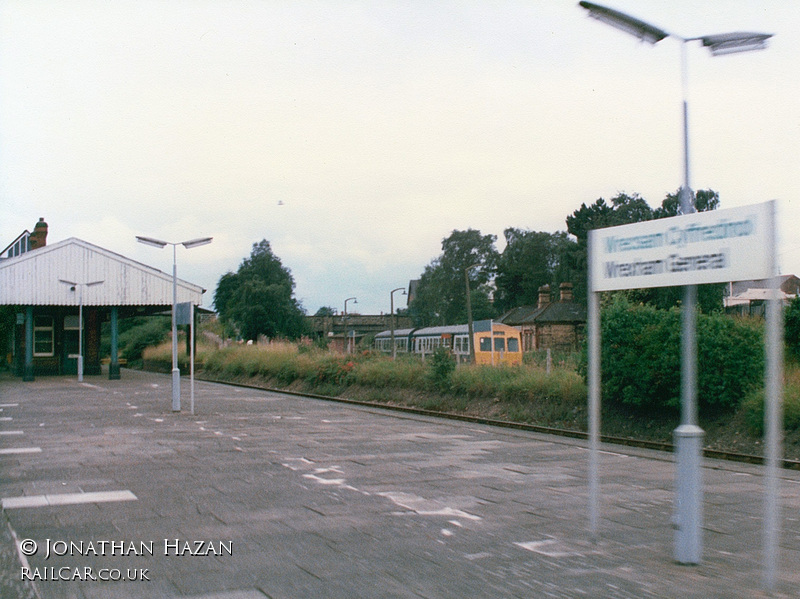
pixel 38 239
pixel 544 296
pixel 566 292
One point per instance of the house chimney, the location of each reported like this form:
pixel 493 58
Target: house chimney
pixel 566 292
pixel 544 296
pixel 38 239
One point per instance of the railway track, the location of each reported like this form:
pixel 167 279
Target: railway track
pixel 625 441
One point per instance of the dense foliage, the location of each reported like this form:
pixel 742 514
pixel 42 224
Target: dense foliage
pixel 441 293
pixel 140 334
pixel 442 366
pixel 7 323
pixel 641 357
pixel 531 259
pixel 136 334
pixel 258 299
pixel 792 328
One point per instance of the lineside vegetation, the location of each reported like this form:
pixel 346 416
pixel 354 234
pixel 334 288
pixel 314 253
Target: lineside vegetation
pixel 640 369
pixel 526 393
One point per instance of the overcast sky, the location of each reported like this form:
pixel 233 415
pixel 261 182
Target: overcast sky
pixel 355 136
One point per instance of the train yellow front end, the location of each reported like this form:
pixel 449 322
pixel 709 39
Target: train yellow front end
pixel 497 344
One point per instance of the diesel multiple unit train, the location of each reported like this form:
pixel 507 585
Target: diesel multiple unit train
pixel 495 343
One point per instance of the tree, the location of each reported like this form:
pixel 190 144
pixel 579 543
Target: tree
pixel 441 293
pixel 531 259
pixel 704 200
pixel 624 209
pixel 326 311
pixel 258 298
pixel 792 328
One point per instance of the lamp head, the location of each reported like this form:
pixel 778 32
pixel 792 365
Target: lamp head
pixel 739 41
pixel 150 241
pixel 644 31
pixel 193 243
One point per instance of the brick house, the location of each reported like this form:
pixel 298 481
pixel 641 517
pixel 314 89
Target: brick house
pixel 557 326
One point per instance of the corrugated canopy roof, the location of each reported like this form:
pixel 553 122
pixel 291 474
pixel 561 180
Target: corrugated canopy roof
pixel 34 279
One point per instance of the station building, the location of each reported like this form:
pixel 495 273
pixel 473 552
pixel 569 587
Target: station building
pixel 43 288
pixel 559 326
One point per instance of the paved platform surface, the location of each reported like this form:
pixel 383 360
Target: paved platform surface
pixel 317 499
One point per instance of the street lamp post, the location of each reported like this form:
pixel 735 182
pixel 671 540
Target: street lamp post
pixel 688 436
pixel 346 338
pixel 80 287
pixel 192 243
pixel 469 314
pixel 391 296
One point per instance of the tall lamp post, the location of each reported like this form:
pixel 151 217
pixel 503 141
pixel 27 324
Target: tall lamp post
pixel 469 314
pixel 391 297
pixel 688 436
pixel 192 243
pixel 346 338
pixel 80 287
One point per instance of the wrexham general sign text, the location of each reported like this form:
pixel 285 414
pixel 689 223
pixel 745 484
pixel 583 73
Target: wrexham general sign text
pixel 704 247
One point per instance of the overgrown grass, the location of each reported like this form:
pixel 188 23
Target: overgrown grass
pixel 524 393
pixel 406 373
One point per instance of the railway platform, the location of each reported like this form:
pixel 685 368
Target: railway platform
pixel 265 495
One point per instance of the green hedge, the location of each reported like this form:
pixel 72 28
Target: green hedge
pixel 641 358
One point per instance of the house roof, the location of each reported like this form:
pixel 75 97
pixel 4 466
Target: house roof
pixel 35 278
pixel 788 283
pixel 755 295
pixel 6 252
pixel 558 312
pixel 518 315
pixel 554 312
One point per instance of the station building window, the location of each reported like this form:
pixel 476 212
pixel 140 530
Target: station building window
pixel 43 336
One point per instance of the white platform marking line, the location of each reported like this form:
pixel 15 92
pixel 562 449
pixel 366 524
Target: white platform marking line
pixel 18 450
pixel 425 507
pixel 548 547
pixel 12 433
pixel 67 499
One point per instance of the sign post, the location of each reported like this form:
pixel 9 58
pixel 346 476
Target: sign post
pixel 707 247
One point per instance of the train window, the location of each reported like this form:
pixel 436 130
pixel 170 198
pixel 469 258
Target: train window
pixel 486 344
pixel 513 344
pixel 499 344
